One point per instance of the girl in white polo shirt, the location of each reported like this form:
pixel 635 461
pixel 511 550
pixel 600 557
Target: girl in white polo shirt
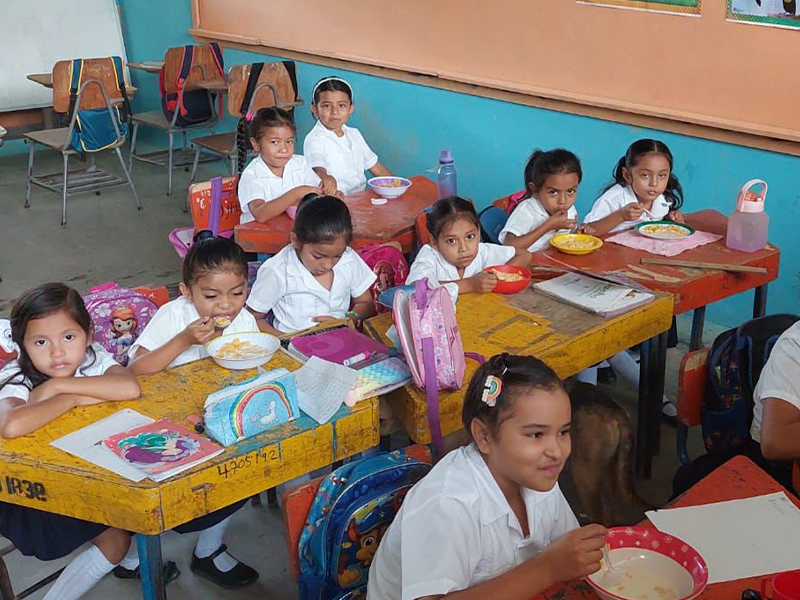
pixel 318 276
pixel 338 153
pixel 493 510
pixel 276 179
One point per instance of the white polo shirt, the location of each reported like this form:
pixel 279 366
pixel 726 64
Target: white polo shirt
pixel 527 216
pixel 92 366
pixel 172 318
pixel 285 287
pixel 621 195
pixel 258 182
pixel 780 377
pixel 346 157
pixel 456 529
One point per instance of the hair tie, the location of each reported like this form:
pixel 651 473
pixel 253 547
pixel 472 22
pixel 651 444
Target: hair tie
pixel 325 80
pixel 492 389
pixel 6 341
pixel 249 116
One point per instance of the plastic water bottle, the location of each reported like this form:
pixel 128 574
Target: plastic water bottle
pixel 447 175
pixel 748 224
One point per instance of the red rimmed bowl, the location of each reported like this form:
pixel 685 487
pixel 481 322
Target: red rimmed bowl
pixel 510 287
pixel 656 566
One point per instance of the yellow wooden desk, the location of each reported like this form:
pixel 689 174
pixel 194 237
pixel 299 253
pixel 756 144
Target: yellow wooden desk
pixel 566 338
pixel 41 476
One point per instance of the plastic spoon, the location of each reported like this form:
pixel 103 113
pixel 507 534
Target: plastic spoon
pixel 611 577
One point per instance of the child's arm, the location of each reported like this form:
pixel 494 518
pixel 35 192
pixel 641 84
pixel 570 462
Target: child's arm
pixel 378 170
pixel 363 306
pixel 18 417
pixel 558 220
pixel 200 331
pixel 522 258
pixel 328 184
pixel 263 211
pixel 629 212
pixel 263 326
pixel 780 430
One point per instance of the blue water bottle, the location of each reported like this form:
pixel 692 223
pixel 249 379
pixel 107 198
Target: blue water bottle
pixel 447 175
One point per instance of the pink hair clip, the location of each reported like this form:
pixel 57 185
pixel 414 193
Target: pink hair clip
pixel 249 116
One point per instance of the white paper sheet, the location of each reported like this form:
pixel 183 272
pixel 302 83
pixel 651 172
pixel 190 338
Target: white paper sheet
pixel 740 538
pixel 322 386
pixel 85 443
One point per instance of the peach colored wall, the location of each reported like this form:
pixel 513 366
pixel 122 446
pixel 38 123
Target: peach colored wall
pixel 699 69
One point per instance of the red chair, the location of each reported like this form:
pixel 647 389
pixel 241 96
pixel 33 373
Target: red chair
pixel 692 381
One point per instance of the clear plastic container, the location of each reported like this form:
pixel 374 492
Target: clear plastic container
pixel 448 185
pixel 748 225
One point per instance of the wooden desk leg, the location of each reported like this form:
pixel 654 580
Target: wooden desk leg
pixel 151 567
pixel 698 322
pixel 760 302
pixel 644 456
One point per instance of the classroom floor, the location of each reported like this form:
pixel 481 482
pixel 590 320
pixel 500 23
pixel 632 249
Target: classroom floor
pixel 106 239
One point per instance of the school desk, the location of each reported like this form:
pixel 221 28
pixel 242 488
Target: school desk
pixel 147 66
pixel 390 222
pixel 694 288
pixel 737 479
pixel 46 79
pixel 566 338
pixel 38 475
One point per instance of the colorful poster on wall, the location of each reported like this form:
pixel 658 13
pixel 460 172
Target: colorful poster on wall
pixel 773 13
pixel 680 7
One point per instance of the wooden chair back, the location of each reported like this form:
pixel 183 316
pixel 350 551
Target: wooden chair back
pixel 692 381
pixel 100 69
pixel 274 73
pixel 204 68
pixel 200 204
pixel 297 502
pixel 421 225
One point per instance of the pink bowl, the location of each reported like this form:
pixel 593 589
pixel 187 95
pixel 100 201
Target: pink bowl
pixel 648 554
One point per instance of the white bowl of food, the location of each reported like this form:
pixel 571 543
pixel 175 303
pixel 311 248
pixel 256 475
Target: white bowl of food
pixel 389 186
pixel 238 351
pixel 650 565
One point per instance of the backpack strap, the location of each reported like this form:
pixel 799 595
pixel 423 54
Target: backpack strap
pixel 116 64
pixel 76 73
pixel 186 67
pixel 216 53
pixel 291 69
pixel 216 205
pixel 432 396
pixel 252 82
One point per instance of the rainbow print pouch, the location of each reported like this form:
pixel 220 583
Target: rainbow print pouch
pixel 244 410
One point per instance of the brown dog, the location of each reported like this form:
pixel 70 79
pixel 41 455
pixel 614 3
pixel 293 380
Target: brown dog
pixel 602 456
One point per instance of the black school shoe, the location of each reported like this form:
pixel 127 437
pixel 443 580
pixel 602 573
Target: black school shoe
pixel 170 569
pixel 238 577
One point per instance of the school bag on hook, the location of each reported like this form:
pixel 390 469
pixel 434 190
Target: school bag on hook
pixel 193 107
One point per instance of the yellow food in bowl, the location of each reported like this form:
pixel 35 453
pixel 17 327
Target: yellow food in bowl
pixel 240 350
pixel 575 243
pixel 665 231
pixel 222 321
pixel 394 183
pixel 503 276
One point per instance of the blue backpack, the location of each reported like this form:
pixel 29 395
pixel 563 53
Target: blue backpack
pixel 352 510
pixel 735 362
pixel 94 127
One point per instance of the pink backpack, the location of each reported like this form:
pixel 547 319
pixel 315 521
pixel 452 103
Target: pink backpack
pixel 428 331
pixel 119 316
pixel 389 264
pixel 514 200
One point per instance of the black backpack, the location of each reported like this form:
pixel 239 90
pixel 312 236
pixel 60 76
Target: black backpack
pixel 193 107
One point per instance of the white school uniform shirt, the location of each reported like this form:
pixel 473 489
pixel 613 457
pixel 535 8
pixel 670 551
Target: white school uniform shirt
pixel 431 264
pixel 780 377
pixel 19 387
pixel 345 158
pixel 172 318
pixel 459 510
pixel 618 196
pixel 285 287
pixel 258 182
pixel 527 216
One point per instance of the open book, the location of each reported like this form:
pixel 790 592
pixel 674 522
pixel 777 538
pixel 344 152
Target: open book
pixel 593 295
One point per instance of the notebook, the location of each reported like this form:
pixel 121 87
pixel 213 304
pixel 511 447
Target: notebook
pixel 161 449
pixel 593 295
pixel 341 345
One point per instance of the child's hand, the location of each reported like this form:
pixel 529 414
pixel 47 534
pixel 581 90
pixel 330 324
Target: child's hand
pixel 675 216
pixel 485 281
pixel 587 229
pixel 201 331
pixel 631 212
pixel 323 319
pixel 329 185
pixel 560 220
pixel 576 554
pixel 44 391
pixel 339 194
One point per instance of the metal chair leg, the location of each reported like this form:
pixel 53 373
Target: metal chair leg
pixel 233 164
pixel 185 140
pixel 194 165
pixel 133 146
pixel 128 177
pixel 30 174
pixel 169 166
pixel 64 191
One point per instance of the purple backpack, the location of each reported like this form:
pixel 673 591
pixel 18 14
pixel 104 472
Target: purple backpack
pixel 119 316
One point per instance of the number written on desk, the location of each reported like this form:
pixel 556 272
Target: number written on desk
pixel 32 490
pixel 259 457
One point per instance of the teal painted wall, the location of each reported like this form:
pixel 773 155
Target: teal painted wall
pixel 407 124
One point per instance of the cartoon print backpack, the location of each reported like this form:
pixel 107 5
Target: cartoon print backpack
pixel 352 510
pixel 8 349
pixel 119 316
pixel 429 335
pixel 735 362
pixel 193 107
pixel 389 264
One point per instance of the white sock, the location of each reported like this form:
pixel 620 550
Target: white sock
pixel 131 560
pixel 588 376
pixel 81 575
pixel 209 542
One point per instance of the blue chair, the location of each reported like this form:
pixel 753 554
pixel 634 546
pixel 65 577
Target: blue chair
pixel 492 219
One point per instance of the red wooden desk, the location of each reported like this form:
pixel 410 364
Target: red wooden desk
pixel 737 479
pixel 390 222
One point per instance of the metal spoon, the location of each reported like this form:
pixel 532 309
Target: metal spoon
pixel 612 576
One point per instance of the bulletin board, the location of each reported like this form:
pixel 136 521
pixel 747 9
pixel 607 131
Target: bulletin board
pixel 702 69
